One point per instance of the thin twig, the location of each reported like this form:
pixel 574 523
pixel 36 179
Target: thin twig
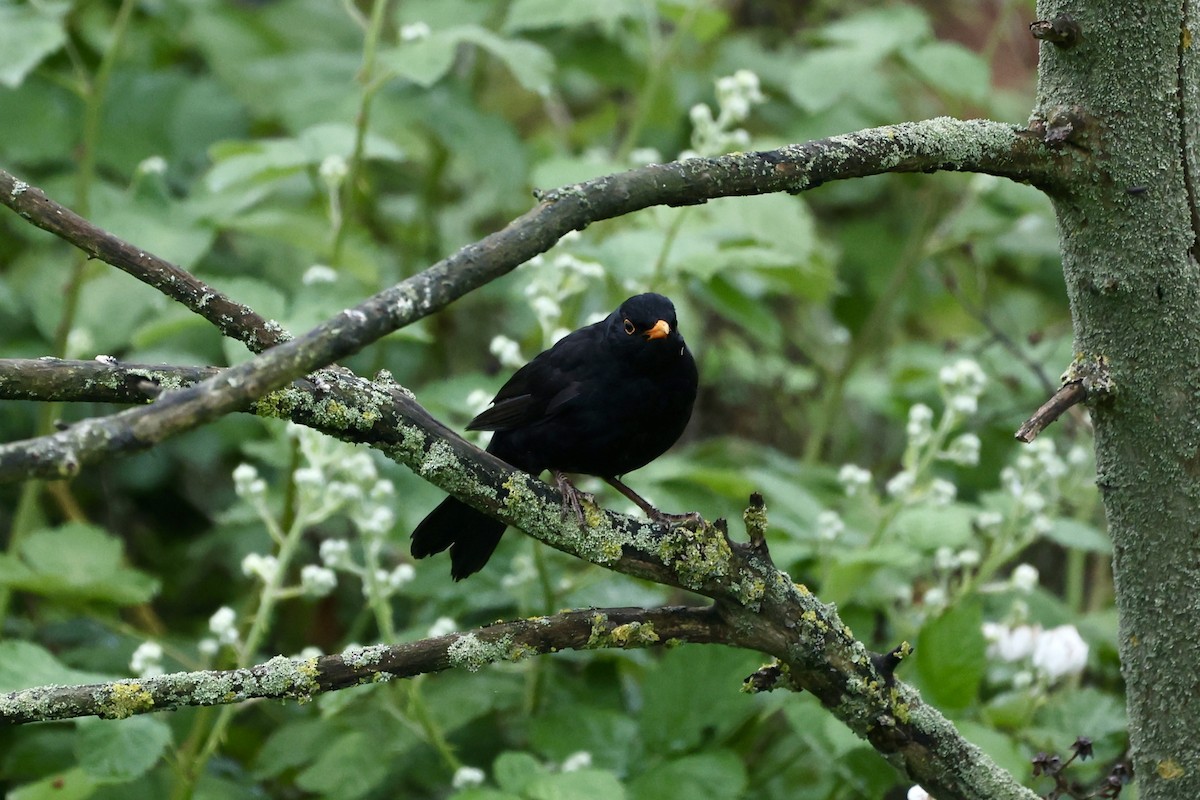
pixel 1069 394
pixel 302 679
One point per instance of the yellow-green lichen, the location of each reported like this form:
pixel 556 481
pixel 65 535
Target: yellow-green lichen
pixel 124 700
pixel 697 555
pixel 599 634
pixel 471 652
pixel 636 634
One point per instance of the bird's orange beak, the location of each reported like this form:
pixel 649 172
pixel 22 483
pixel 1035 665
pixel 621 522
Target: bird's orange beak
pixel 661 330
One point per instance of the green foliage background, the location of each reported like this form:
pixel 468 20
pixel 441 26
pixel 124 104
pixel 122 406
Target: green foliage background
pixel 214 134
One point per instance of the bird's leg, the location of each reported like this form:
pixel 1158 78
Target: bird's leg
pixel 573 498
pixel 661 517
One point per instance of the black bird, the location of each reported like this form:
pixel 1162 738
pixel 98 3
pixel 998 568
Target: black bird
pixel 605 400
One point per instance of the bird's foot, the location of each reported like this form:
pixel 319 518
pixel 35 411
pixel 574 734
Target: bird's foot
pixel 573 498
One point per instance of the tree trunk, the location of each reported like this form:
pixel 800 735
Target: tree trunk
pixel 1126 97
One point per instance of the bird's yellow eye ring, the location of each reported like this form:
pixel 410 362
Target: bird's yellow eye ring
pixel 629 327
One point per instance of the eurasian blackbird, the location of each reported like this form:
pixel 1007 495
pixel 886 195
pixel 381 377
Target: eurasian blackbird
pixel 605 400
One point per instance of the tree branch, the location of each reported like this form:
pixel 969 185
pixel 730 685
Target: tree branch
pixel 938 144
pixel 301 679
pixel 759 607
pixel 231 318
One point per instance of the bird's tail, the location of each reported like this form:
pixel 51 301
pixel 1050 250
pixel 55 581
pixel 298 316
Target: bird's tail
pixel 471 535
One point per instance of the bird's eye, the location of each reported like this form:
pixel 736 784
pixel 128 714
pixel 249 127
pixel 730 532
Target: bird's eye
pixel 629 327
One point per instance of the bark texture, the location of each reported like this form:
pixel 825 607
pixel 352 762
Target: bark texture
pixel 1124 98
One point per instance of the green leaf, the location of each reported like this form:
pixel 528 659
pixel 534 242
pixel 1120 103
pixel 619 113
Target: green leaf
pixel 237 163
pixel 1079 535
pixel 711 775
pixel 952 68
pixel 610 737
pixel 585 784
pixel 514 771
pixel 883 29
pixel 671 719
pixel 25 664
pixel 951 656
pixel 74 784
pixel 292 745
pixel 426 61
pixel 531 64
pixel 75 562
pixel 821 78
pixel 116 751
pixel 28 33
pixel 529 14
pixel 1006 752
pixel 351 766
pixel 927 528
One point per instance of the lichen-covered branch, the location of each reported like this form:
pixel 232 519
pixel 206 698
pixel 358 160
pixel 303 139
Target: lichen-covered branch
pixel 759 607
pixel 938 144
pixel 301 679
pixel 233 319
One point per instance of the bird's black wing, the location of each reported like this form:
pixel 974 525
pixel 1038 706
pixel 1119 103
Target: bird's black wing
pixel 542 387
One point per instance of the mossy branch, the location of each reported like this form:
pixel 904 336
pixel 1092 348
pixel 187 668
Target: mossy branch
pixel 759 608
pixel 930 145
pixel 302 679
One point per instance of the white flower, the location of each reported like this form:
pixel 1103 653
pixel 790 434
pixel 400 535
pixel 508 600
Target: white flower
pixel 335 554
pixel 377 520
pixel 317 581
pixel 1042 524
pixel 964 405
pixel 853 479
pixel 343 492
pixel 506 351
pixel 442 626
pixel 577 761
pixel 223 624
pixel 308 477
pixel 989 521
pixel 208 646
pixel 944 559
pixel 829 525
pixel 309 652
pixel 920 424
pixel 154 165
pixel 917 793
pixel 968 558
pixel 942 492
pixel 901 484
pixel 400 575
pixel 963 450
pixel 1010 644
pixel 333 169
pixel 383 489
pixel 935 597
pixel 319 273
pixel 414 31
pixel 700 115
pixel 466 777
pixel 263 567
pixel 246 482
pixel 963 377
pixel 146 661
pixel 1060 651
pixel 1024 578
pixel 1032 500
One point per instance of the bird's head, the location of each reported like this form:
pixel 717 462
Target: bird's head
pixel 645 326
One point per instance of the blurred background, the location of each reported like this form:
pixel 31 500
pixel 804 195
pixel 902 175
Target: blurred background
pixel 866 351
